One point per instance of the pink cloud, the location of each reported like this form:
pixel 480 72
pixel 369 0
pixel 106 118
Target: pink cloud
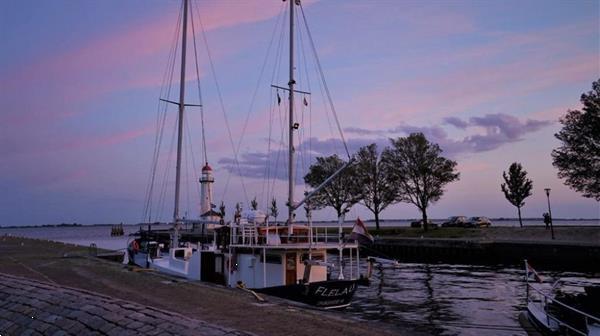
pixel 128 58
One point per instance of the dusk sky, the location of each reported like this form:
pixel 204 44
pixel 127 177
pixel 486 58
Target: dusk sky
pixel 486 80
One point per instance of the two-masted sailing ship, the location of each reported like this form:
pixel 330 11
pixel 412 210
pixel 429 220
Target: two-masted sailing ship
pixel 289 260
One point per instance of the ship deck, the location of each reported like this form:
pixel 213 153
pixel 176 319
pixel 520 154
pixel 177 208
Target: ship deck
pixel 299 246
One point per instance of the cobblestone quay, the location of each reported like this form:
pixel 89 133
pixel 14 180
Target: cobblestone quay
pixel 29 307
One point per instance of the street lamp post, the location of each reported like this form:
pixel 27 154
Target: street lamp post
pixel 549 212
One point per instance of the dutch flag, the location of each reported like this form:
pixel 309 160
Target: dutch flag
pixel 360 233
pixel 529 271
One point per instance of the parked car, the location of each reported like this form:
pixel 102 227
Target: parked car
pixel 419 224
pixel 479 221
pixel 456 221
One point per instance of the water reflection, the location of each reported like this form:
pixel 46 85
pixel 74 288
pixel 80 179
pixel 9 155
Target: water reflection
pixel 442 299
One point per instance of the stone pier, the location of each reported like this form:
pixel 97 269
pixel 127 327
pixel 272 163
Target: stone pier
pixel 29 307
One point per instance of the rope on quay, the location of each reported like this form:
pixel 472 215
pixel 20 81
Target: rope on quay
pixel 243 287
pixel 32 270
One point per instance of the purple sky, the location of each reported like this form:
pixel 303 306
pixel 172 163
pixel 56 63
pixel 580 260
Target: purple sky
pixel 80 81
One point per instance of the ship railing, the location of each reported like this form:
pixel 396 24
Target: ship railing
pixel 252 235
pixel 547 299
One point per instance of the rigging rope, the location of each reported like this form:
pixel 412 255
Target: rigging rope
pixel 282 141
pixel 327 117
pixel 314 49
pixel 254 95
pixel 205 156
pixel 222 104
pixel 191 154
pixel 267 165
pixel 157 141
pixel 161 119
pixel 163 192
pixel 276 74
pixel 302 138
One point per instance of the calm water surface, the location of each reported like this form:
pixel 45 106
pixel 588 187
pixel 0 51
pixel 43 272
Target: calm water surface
pixel 445 299
pixel 438 299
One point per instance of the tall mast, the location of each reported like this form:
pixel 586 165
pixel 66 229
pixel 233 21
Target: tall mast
pixel 291 121
pixel 181 107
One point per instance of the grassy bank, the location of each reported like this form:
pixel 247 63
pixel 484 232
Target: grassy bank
pixel 571 234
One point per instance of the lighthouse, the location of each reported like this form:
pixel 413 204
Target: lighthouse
pixel 206 192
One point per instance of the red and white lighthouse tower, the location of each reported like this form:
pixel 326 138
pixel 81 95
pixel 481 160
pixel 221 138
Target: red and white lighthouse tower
pixel 206 191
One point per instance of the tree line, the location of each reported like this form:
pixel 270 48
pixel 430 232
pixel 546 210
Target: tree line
pixel 411 170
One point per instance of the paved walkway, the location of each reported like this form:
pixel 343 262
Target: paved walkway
pixel 29 307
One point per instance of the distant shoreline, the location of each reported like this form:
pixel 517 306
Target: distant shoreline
pixel 436 220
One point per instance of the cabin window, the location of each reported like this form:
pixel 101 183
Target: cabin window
pixel 180 254
pixel 315 256
pixel 273 259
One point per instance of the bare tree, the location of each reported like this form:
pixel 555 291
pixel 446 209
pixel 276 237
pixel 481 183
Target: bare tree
pixel 420 171
pixel 375 179
pixel 517 186
pixel 254 204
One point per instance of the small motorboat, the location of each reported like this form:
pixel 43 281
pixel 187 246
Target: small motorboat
pixel 566 307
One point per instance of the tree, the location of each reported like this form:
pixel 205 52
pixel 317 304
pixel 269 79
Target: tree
pixel 375 178
pixel 419 170
pixel 341 193
pixel 578 159
pixel 254 204
pixel 517 187
pixel 274 210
